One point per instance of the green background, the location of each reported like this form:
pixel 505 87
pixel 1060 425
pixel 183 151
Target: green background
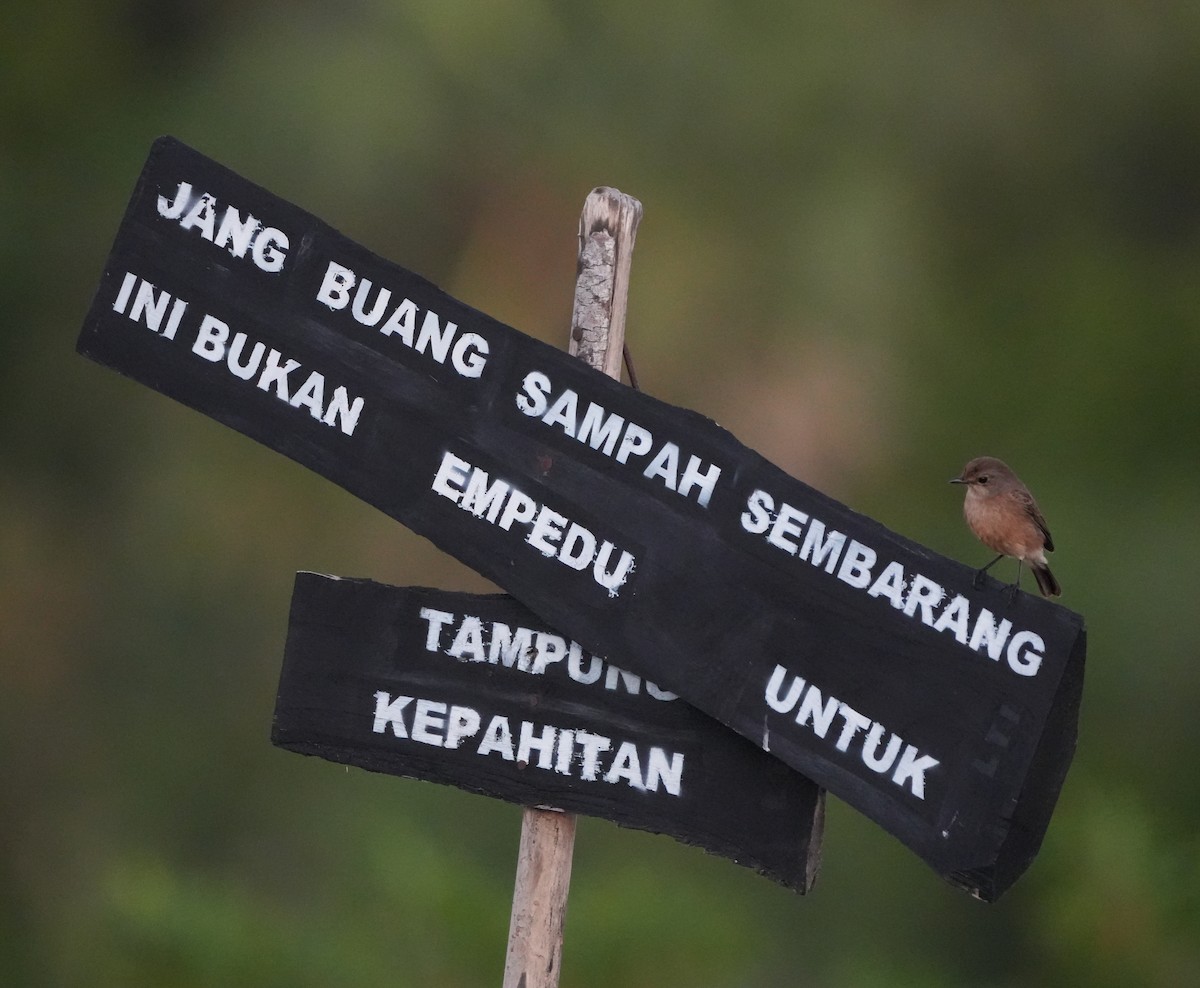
pixel 879 239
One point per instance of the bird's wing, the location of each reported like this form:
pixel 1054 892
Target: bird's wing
pixel 1025 499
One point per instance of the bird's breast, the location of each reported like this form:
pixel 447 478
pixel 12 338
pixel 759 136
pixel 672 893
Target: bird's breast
pixel 1002 526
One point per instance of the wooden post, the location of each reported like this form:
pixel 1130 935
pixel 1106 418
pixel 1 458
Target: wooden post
pixel 607 229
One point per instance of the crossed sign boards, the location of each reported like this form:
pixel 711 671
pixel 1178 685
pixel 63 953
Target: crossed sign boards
pixel 767 639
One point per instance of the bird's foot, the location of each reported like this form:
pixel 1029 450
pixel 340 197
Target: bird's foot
pixel 980 576
pixel 1011 592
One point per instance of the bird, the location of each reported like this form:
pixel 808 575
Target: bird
pixel 1003 515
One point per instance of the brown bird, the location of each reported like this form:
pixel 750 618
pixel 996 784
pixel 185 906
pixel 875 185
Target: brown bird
pixel 1003 515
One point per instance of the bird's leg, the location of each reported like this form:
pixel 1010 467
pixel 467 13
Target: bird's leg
pixel 978 581
pixel 1012 591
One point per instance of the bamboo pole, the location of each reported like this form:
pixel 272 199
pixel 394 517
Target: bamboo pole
pixel 607 230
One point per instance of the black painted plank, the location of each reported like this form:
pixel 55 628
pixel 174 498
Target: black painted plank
pixel 478 692
pixel 859 657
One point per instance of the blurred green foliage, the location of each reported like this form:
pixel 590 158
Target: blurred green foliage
pixel 880 238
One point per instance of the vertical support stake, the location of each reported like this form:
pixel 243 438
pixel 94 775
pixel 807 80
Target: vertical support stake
pixel 607 230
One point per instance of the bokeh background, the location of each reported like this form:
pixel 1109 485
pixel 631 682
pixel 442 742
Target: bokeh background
pixel 879 238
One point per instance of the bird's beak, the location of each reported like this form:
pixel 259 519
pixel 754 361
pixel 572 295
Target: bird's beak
pixel 958 480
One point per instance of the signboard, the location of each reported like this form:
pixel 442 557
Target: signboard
pixel 477 692
pixel 869 663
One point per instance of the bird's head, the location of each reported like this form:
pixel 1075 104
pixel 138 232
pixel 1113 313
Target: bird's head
pixel 986 476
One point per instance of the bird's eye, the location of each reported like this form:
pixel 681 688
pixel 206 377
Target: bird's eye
pixel 983 479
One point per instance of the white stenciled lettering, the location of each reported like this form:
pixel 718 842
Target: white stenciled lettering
pixel 820 545
pixel 461 724
pixel 235 233
pixel 233 359
pixel 612 435
pixel 860 737
pixel 565 751
pixel 594 671
pixel 173 209
pixel 1025 653
pixel 787 529
pixel 989 635
pixel 817 710
pixel 592 746
pixel 664 770
pixel 890 584
pixel 497 739
pixel 427 333
pixel 615 675
pixel 482 499
pixel 335 287
pixel 519 509
pixel 626 766
pixel 436 620
pixel 788 524
pixel 468 642
pixel 871 757
pixel 429 721
pixel 911 770
pixel 532 398
pixel 923 595
pixel 547 531
pixel 700 476
pixel 756 519
pixel 578 547
pixel 202 216
pixel 853 722
pixel 856 565
pixel 450 478
pixel 213 343
pixel 600 429
pixel 471 638
pixel 150 306
pixel 777 701
pixel 541 741
pixel 550 648
pixel 510 647
pixel 635 442
pixel 612 573
pixel 954 618
pixel 550 533
pixel 369 318
pixel 211 339
pixel 270 250
pixel 665 467
pixel 226 227
pixel 276 374
pixel 389 712
pixel 530 745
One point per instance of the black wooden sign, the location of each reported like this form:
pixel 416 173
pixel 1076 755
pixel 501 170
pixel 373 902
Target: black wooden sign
pixel 869 663
pixel 477 692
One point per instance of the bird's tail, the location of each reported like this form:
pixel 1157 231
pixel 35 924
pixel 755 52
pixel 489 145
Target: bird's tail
pixel 1045 580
